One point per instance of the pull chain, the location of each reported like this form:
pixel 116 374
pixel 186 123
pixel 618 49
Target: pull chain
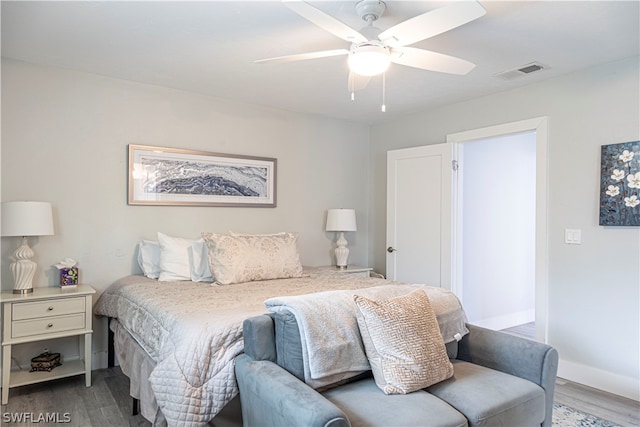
pixel 352 82
pixel 384 93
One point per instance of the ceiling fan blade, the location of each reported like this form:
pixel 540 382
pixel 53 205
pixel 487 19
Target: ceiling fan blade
pixel 324 21
pixel 432 61
pixel 304 56
pixel 432 23
pixel 357 82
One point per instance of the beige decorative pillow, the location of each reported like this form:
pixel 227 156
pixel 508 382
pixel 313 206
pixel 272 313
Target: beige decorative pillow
pixel 403 342
pixel 248 257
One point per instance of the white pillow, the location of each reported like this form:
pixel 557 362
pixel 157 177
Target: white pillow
pixel 199 262
pixel 149 258
pixel 174 258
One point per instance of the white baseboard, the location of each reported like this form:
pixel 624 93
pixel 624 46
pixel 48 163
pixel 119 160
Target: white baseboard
pixel 628 387
pixel 99 360
pixel 506 321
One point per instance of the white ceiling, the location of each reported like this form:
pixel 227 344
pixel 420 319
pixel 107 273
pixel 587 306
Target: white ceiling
pixel 209 47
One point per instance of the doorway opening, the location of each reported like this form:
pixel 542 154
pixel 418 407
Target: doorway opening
pixel 498 196
pixel 499 207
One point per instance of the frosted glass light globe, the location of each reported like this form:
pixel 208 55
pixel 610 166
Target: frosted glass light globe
pixel 369 60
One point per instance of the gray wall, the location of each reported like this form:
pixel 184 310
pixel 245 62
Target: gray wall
pixel 593 297
pixel 64 140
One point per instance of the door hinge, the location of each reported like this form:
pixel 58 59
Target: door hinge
pixel 454 165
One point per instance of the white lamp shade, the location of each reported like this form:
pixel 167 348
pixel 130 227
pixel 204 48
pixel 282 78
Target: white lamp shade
pixel 341 220
pixel 27 219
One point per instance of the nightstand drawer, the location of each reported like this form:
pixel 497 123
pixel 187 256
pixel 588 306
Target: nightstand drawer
pixel 38 309
pixel 47 325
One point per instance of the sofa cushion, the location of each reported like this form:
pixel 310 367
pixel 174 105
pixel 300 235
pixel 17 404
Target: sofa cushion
pixel 366 405
pixel 402 341
pixel 257 334
pixel 489 397
pixel 288 343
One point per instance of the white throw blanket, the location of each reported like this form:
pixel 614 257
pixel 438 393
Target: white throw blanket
pixel 331 345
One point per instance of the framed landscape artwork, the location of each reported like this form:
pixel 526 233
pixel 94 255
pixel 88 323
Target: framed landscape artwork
pixel 172 176
pixel 620 184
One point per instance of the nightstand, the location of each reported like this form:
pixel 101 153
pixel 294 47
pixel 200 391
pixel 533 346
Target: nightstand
pixel 45 314
pixel 355 270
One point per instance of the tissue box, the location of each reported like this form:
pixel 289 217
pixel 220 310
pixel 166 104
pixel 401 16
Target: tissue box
pixel 69 276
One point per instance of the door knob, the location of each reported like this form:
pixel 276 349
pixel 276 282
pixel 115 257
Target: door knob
pixel 391 249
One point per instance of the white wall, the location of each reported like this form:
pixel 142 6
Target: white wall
pixel 498 230
pixel 64 140
pixel 593 297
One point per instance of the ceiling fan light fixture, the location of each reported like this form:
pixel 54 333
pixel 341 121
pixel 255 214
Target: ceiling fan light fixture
pixel 369 60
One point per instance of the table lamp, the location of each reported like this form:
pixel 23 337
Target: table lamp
pixel 341 220
pixel 25 219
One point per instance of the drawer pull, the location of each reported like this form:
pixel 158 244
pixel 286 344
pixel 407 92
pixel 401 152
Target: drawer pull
pixel 50 325
pixel 50 308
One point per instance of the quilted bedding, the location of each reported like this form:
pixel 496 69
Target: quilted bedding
pixel 193 331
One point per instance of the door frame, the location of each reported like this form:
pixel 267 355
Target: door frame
pixel 539 125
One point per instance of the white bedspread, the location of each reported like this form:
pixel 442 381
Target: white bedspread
pixel 193 331
pixel 330 357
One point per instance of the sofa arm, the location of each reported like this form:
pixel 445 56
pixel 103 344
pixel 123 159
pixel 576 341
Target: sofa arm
pixel 271 396
pixel 531 360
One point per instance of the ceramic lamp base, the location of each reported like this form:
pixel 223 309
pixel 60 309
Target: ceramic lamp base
pixel 23 269
pixel 342 252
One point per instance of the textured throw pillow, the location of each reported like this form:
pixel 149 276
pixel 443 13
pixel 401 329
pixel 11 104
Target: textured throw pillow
pixel 245 258
pixel 403 342
pixel 149 258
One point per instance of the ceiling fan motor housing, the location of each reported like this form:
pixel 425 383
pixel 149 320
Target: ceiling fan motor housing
pixel 370 10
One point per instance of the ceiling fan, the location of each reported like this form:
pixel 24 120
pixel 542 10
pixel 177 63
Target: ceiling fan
pixel 372 50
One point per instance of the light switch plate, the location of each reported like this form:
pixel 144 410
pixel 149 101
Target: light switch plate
pixel 573 236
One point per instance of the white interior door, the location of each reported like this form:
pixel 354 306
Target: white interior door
pixel 419 215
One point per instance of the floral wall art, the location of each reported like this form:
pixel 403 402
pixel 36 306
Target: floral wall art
pixel 620 184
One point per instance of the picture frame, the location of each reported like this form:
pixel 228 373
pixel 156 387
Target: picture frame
pixel 178 177
pixel 620 184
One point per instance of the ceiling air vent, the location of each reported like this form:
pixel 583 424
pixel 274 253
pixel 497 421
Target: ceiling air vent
pixel 521 71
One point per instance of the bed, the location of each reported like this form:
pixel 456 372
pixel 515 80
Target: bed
pixel 177 339
pixel 191 333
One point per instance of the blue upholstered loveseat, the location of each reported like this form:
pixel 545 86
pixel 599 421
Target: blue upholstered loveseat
pixel 499 380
